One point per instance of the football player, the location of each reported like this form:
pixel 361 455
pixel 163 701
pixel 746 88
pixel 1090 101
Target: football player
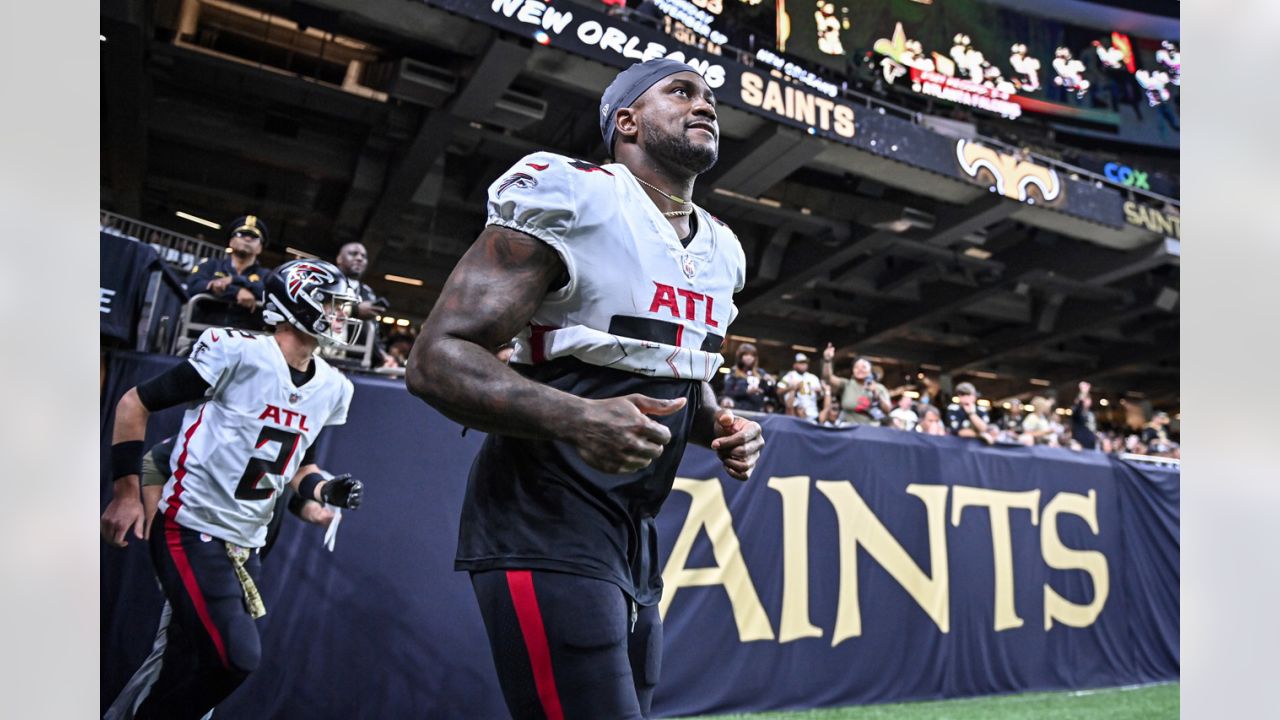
pixel 265 399
pixel 619 292
pixel 156 469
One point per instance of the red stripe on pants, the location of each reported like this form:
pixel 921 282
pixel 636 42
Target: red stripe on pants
pixel 173 538
pixel 535 640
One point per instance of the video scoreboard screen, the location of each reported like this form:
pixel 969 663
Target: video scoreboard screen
pixel 968 52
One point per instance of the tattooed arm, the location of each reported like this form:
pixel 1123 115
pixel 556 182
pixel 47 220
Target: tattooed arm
pixel 489 298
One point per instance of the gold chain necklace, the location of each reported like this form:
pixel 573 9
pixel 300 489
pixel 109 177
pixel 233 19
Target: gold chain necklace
pixel 665 194
pixel 678 213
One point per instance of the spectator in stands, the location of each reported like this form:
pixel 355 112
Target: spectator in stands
pixel 966 418
pixel 903 416
pixel 1084 424
pixel 863 401
pixel 1155 435
pixel 747 385
pixel 801 391
pixel 352 260
pixel 931 422
pixel 1010 425
pixel 235 280
pixel 1038 426
pixel 830 414
pixel 398 347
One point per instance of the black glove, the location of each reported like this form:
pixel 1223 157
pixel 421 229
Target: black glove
pixel 381 304
pixel 343 491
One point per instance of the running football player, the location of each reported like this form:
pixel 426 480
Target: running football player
pixel 265 400
pixel 619 292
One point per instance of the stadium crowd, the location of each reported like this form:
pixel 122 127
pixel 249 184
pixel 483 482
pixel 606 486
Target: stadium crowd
pixel 826 399
pixel 924 406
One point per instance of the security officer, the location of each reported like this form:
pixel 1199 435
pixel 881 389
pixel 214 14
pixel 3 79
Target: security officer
pixel 236 278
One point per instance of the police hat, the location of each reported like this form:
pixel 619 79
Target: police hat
pixel 251 224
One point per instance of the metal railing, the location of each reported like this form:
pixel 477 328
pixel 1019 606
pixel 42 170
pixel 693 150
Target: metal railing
pixel 1171 462
pixel 181 251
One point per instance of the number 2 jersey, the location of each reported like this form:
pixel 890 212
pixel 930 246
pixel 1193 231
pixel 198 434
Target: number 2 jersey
pixel 238 448
pixel 641 313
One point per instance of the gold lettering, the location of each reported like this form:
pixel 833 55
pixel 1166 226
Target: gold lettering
pixel 773 99
pixel 804 108
pixel 858 526
pixel 1162 223
pixel 999 502
pixel 794 623
pixel 844 120
pixel 1131 214
pixel 824 112
pixel 708 511
pixel 1061 557
pixel 752 84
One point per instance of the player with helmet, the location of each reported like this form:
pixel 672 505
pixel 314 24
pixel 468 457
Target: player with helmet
pixel 618 291
pixel 262 402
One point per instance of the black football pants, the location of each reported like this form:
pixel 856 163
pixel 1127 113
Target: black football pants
pixel 568 647
pixel 212 641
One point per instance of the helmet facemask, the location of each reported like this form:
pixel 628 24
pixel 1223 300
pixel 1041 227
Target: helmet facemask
pixel 337 325
pixel 313 296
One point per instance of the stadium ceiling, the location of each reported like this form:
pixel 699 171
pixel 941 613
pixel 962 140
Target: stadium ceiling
pixel 384 122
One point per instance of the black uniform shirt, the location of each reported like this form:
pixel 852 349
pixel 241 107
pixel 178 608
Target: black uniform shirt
pixel 232 315
pixel 534 504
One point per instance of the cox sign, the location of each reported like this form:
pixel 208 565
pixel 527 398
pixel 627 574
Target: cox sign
pixel 1126 175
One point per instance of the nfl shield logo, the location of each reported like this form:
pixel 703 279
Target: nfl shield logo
pixel 294 398
pixel 686 264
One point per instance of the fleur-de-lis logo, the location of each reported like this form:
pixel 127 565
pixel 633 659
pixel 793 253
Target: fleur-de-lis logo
pixel 1009 176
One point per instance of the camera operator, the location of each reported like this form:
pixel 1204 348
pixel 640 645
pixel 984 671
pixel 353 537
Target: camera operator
pixel 863 401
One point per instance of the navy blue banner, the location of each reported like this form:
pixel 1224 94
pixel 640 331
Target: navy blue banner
pixel 126 270
pixel 857 566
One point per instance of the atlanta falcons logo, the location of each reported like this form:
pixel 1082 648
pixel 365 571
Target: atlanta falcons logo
pixel 517 179
pixel 303 276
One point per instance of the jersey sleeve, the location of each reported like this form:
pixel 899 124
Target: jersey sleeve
pixel 741 280
pixel 217 353
pixel 536 197
pixel 339 414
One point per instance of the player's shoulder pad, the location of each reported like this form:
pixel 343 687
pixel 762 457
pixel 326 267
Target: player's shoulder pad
pixel 545 164
pixel 230 337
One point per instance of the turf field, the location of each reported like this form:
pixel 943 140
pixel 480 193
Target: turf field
pixel 1150 702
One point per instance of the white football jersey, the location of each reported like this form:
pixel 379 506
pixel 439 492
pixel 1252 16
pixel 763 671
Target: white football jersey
pixel 636 300
pixel 237 449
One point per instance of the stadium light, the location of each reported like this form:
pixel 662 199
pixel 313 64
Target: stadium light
pixel 406 280
pixel 1040 381
pixel 198 220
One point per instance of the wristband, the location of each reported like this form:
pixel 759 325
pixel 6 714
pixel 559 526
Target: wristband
pixel 126 459
pixel 307 485
pixel 296 503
